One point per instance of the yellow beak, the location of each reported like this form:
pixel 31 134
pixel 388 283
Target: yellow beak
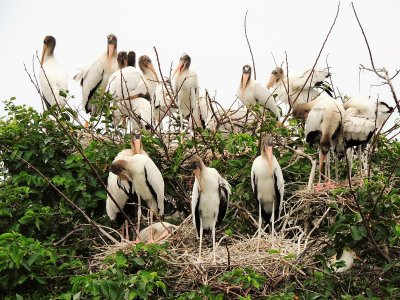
pixel 197 173
pixel 44 51
pixel 271 81
pixel 178 68
pixel 151 67
pixel 245 79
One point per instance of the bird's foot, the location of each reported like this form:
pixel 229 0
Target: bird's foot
pixel 86 125
pixel 136 241
pixel 330 185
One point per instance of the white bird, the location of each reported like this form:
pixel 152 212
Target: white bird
pixel 348 256
pixel 210 198
pixel 97 74
pixel 186 87
pixel 230 120
pixel 133 91
pixel 363 118
pixel 123 191
pixel 162 103
pixel 298 88
pixel 268 186
pixel 252 93
pixel 52 78
pixel 146 178
pixel 325 118
pixel 158 231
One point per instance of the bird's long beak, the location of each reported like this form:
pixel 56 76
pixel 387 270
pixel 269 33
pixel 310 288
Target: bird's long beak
pixel 151 67
pixel 111 49
pixel 322 158
pixel 124 176
pixel 44 51
pixel 268 151
pixel 271 81
pixel 197 173
pixel 178 68
pixel 137 143
pixel 245 79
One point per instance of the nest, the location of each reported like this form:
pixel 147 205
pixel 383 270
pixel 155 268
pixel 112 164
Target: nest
pixel 278 257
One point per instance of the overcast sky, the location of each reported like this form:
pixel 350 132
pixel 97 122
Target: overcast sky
pixel 211 32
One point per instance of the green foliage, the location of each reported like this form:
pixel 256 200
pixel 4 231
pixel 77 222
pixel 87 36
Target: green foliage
pixel 46 248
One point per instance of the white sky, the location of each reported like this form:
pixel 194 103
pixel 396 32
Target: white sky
pixel 210 31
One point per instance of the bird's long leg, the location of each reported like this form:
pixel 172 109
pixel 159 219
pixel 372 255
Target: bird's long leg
pixel 213 237
pixel 139 214
pixel 273 225
pixel 151 226
pixel 122 232
pixel 336 168
pixel 350 162
pixel 201 237
pixel 360 161
pixel 126 230
pixel 321 163
pixel 328 166
pixel 259 227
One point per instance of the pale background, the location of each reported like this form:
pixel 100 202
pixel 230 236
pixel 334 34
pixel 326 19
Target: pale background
pixel 211 32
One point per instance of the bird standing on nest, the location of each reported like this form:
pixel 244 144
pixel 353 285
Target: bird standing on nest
pixel 123 191
pixel 268 186
pixel 210 198
pixel 146 178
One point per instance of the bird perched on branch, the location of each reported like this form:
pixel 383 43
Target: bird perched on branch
pixel 210 198
pixel 187 90
pixel 52 78
pixel 252 93
pixel 268 186
pixel 298 88
pixel 324 125
pixel 147 179
pixel 97 74
pixel 133 92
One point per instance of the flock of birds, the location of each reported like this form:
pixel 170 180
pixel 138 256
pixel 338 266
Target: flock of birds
pixel 140 96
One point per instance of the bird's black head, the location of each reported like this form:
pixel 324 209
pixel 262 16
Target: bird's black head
pixel 267 141
pixel 196 163
pixel 144 62
pixel 50 43
pixel 112 40
pixel 247 69
pixel 119 168
pixel 131 58
pixel 278 72
pixel 185 60
pixel 122 59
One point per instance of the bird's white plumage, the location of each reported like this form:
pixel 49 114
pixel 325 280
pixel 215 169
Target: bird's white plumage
pixel 229 120
pixel 125 82
pixel 160 231
pixel 347 257
pixel 255 93
pixel 95 76
pixel 187 88
pixel 209 198
pixel 114 188
pixel 291 87
pixel 56 81
pixel 262 180
pixel 138 167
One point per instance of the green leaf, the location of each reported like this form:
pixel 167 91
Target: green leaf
pixel 356 233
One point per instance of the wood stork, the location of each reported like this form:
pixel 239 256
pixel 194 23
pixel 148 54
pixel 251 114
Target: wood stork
pixel 186 87
pixel 52 77
pixel 363 118
pixel 97 74
pixel 123 191
pixel 325 118
pixel 230 120
pixel 298 88
pixel 348 256
pixel 132 58
pixel 132 92
pixel 252 93
pixel 146 178
pixel 159 231
pixel 162 103
pixel 210 198
pixel 268 186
